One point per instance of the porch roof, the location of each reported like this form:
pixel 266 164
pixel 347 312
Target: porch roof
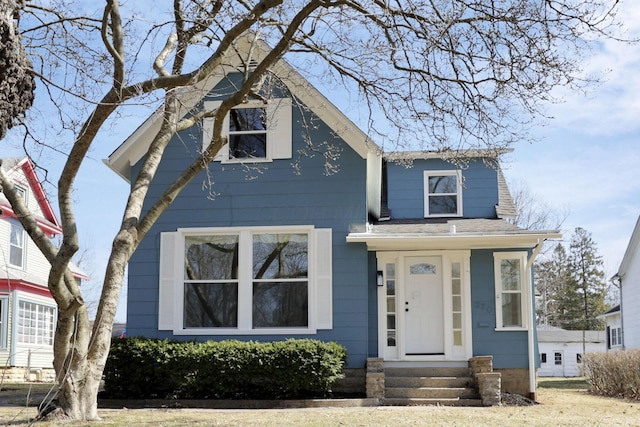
pixel 476 233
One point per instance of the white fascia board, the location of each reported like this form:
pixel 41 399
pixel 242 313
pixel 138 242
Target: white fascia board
pixel 452 241
pixel 137 144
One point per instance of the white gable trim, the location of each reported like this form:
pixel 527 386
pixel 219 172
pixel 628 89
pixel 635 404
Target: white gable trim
pixel 137 144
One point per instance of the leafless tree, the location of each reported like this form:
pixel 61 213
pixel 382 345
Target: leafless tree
pixel 533 212
pixel 433 74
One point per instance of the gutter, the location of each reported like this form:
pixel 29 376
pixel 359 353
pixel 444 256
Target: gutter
pixel 530 331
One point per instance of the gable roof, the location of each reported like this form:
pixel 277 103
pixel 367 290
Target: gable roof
pixel 566 336
pixel 247 47
pixel 46 218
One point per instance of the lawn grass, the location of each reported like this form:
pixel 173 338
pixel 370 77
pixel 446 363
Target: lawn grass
pixel 563 402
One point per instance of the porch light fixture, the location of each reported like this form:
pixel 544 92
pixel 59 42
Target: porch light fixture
pixel 379 278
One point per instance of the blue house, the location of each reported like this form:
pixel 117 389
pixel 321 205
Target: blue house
pixel 405 266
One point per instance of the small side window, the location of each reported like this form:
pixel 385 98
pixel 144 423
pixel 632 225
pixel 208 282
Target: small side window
pixel 543 357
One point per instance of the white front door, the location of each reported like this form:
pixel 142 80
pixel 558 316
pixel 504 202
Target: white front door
pixel 423 306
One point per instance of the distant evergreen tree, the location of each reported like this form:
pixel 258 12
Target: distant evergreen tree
pixel 571 289
pixel 587 288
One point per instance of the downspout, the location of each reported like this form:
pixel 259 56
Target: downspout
pixel 530 330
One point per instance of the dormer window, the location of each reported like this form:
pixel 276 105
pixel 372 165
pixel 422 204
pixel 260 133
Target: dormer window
pixel 443 193
pixel 257 131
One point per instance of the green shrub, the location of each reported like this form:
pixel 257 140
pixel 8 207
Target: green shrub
pixel 151 368
pixel 615 374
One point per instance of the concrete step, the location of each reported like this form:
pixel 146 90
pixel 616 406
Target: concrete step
pixel 430 402
pixel 431 393
pixel 427 372
pixel 415 382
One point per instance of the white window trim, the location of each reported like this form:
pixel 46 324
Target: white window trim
pixel 525 295
pixel 14 222
pixel 279 130
pixel 430 173
pixel 171 301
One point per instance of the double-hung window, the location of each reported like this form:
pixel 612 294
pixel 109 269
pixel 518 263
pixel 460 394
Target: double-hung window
pixel 256 131
pixel 511 286
pixel 16 244
pixel 248 280
pixel 442 193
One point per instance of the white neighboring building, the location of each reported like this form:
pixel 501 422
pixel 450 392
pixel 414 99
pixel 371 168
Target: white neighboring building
pixel 613 320
pixel 628 277
pixel 561 350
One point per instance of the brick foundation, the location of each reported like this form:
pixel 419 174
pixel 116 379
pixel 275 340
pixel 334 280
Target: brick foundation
pixel 19 375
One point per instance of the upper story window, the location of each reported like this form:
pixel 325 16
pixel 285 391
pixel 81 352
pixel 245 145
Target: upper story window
pixel 443 193
pixel 511 290
pixel 16 244
pixel 248 133
pixel 256 131
pixel 22 192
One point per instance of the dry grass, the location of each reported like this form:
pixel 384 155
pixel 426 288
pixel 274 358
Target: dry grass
pixel 563 402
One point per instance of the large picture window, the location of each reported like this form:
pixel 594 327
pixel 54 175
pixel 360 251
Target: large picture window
pixel 511 290
pixel 443 193
pixel 36 323
pixel 249 280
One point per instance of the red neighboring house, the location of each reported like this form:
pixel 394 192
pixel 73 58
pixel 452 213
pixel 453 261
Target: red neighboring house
pixel 28 312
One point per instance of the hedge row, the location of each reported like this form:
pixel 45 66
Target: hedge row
pixel 141 368
pixel 615 373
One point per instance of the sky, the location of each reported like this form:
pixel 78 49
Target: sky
pixel 584 161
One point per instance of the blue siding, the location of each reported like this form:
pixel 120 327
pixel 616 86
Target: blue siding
pixel 406 188
pixel 509 348
pixel 268 195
